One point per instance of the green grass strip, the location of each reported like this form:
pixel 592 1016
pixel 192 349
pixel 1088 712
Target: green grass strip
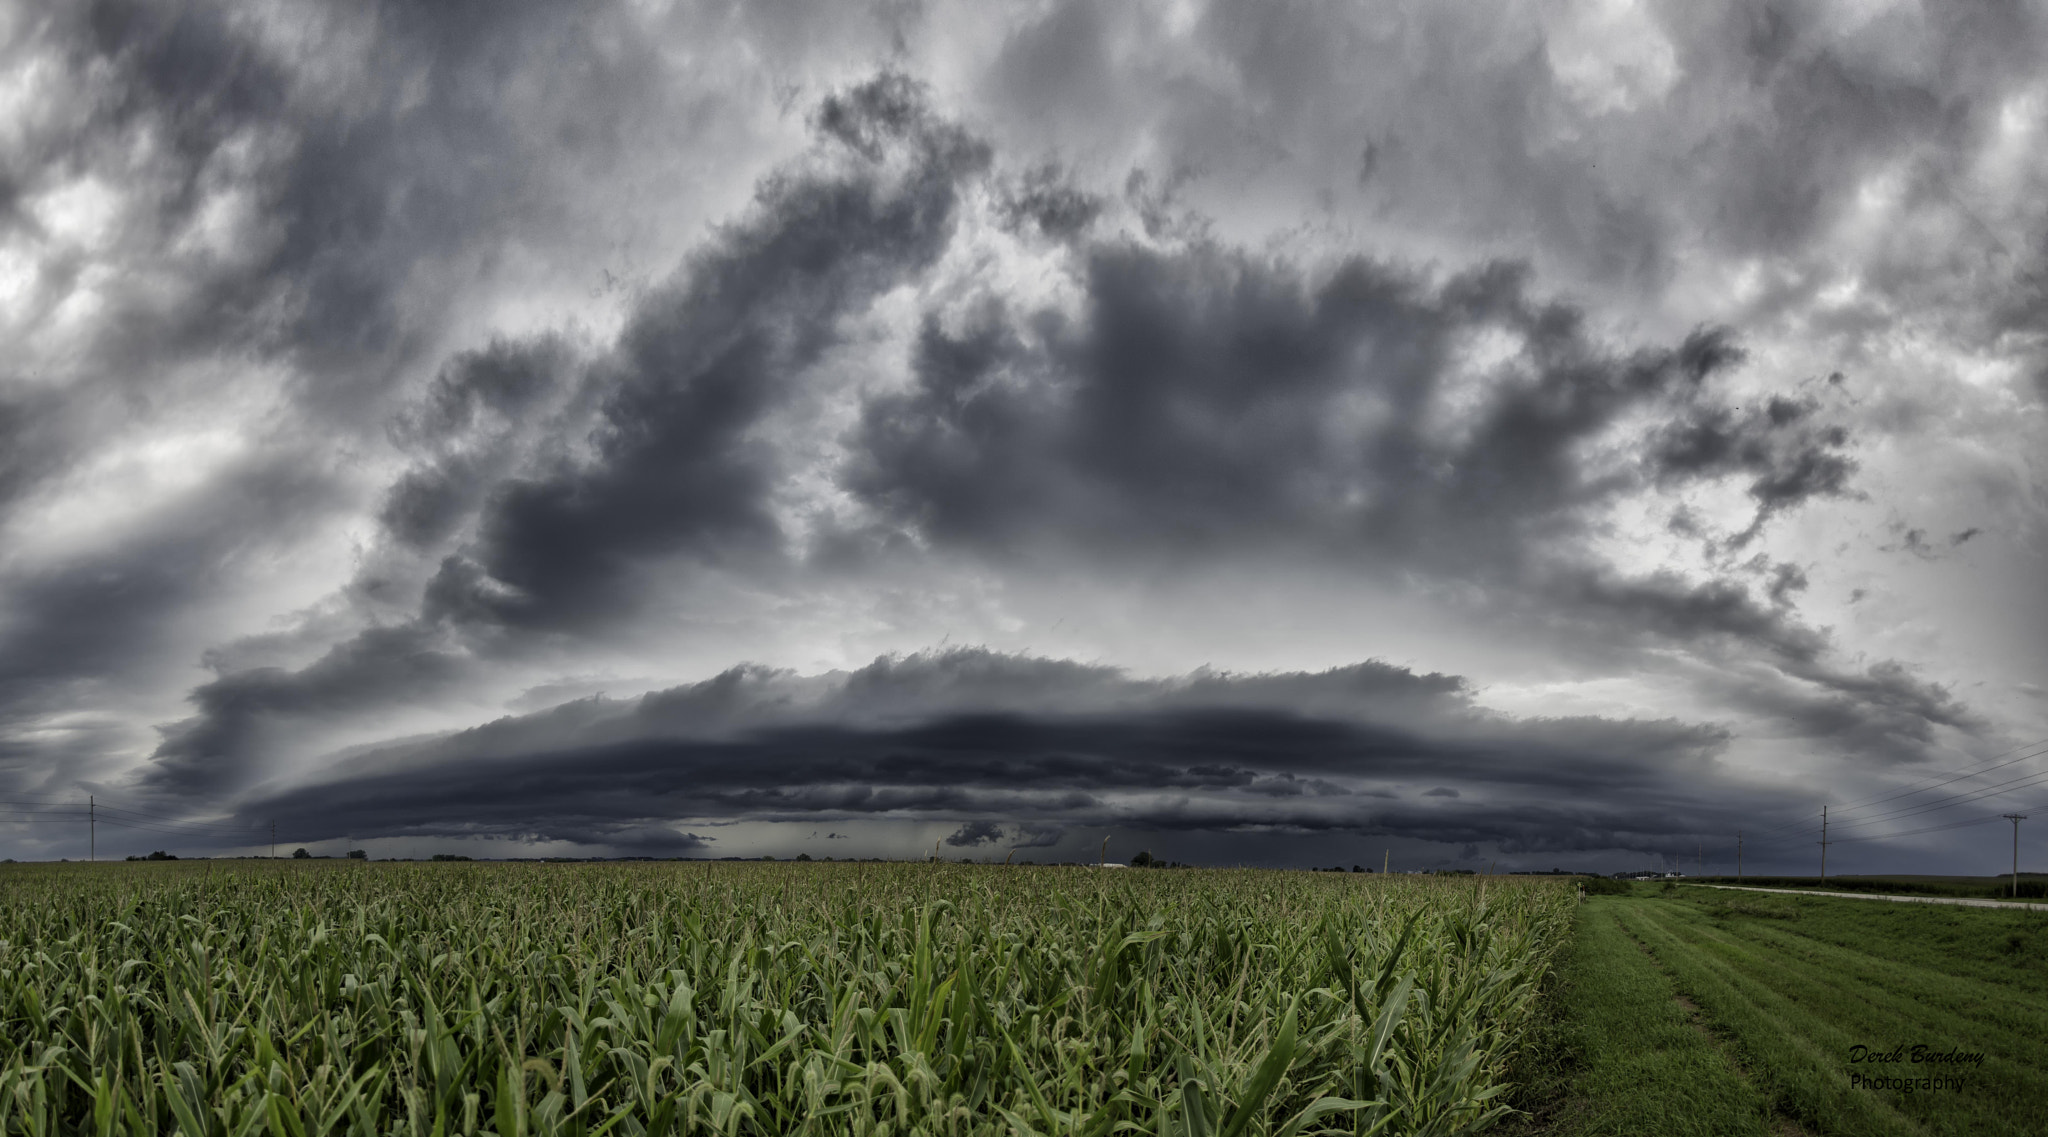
pixel 1643 1066
pixel 1921 999
pixel 1796 1057
pixel 1797 1004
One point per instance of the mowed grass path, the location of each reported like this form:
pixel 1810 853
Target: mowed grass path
pixel 1783 988
pixel 883 1000
pixel 1639 1060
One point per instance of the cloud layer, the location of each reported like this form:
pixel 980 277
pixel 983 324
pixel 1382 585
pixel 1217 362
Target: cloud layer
pixel 1017 749
pixel 1671 379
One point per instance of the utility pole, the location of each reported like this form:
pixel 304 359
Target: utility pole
pixel 1823 844
pixel 2015 818
pixel 92 828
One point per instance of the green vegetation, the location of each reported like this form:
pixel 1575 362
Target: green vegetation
pixel 2032 886
pixel 313 997
pixel 1689 1010
pixel 1631 1056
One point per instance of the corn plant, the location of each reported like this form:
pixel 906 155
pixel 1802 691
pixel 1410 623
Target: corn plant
pixel 231 999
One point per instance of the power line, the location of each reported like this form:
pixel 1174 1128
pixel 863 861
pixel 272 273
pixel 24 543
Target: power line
pixel 1784 840
pixel 136 813
pixel 73 816
pixel 1916 832
pixel 154 816
pixel 1956 777
pixel 100 814
pixel 245 835
pixel 1996 790
pixel 1967 791
pixel 58 799
pixel 1802 819
pixel 2039 747
pixel 1908 808
pixel 2009 785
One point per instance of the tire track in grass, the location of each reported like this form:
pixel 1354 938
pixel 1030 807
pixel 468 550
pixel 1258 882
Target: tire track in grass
pixel 2000 949
pixel 1869 999
pixel 1973 1001
pixel 2008 1082
pixel 1798 1010
pixel 1645 1065
pixel 1794 1070
pixel 1795 980
pixel 1782 1122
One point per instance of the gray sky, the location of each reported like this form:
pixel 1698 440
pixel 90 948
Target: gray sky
pixel 1560 434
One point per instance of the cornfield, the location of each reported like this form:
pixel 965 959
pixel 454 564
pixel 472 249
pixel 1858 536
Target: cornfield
pixel 348 998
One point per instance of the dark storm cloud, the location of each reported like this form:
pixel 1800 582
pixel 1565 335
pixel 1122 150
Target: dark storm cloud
pixel 360 198
pixel 1036 836
pixel 363 208
pixel 241 714
pixel 1044 198
pixel 474 420
pixel 1212 404
pixel 1790 458
pixel 1713 613
pixel 1881 713
pixel 1424 415
pixel 678 470
pixel 1210 399
pixel 1266 751
pixel 975 833
pixel 1786 581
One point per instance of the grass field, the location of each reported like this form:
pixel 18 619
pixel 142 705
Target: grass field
pixel 1693 1011
pixel 769 999
pixel 2031 886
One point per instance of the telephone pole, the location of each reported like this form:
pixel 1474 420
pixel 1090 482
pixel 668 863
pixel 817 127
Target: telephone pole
pixel 2015 818
pixel 1823 844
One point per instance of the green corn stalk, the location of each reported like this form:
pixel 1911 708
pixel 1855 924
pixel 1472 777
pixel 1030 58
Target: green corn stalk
pixel 754 999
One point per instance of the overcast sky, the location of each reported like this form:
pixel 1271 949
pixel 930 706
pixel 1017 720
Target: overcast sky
pixel 1540 435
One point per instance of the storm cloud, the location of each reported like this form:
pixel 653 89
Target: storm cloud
pixel 1653 398
pixel 982 740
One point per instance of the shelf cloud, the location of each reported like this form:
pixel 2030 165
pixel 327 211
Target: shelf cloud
pixel 1022 747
